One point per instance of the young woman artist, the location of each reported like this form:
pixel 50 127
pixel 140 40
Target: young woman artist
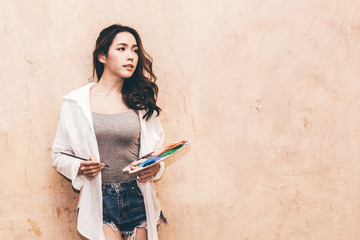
pixel 113 122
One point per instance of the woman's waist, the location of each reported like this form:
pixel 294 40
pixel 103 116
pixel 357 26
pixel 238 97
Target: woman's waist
pixel 115 187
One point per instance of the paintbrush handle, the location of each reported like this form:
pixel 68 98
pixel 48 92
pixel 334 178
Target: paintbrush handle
pixel 79 158
pixel 147 155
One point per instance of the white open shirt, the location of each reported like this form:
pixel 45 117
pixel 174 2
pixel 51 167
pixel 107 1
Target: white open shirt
pixel 76 135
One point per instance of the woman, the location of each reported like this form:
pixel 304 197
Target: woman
pixel 113 122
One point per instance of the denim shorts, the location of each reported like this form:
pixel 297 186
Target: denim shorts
pixel 123 206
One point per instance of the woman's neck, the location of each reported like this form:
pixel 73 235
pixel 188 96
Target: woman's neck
pixel 110 84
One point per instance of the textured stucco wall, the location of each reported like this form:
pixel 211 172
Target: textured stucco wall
pixel 267 91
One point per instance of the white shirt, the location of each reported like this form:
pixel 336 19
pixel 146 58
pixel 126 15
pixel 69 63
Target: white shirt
pixel 76 135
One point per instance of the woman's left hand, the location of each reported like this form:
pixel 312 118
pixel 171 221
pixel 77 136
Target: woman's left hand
pixel 147 174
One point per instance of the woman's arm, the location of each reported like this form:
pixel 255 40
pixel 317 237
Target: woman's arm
pixel 155 172
pixel 66 165
pixel 161 133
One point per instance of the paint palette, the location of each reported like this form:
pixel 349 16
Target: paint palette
pixel 158 155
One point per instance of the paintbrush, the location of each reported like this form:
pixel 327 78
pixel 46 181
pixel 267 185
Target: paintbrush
pixel 81 158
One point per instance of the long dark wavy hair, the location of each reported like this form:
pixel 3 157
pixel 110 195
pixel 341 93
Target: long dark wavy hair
pixel 139 91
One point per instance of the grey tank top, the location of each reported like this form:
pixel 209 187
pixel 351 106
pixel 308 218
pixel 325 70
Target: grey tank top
pixel 118 138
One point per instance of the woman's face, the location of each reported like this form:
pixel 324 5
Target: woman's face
pixel 122 57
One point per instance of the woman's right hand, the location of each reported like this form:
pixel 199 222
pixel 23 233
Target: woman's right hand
pixel 90 168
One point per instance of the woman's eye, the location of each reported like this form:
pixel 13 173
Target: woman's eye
pixel 136 50
pixel 122 49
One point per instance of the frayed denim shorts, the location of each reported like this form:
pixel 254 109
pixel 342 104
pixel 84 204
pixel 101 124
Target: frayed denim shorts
pixel 123 206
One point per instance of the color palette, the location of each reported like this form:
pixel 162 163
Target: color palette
pixel 159 155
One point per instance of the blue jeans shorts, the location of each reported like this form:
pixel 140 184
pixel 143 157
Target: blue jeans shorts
pixel 123 206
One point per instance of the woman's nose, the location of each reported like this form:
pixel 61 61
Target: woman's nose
pixel 130 55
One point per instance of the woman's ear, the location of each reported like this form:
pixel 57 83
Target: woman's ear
pixel 102 58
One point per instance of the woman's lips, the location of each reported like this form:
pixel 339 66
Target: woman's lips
pixel 129 67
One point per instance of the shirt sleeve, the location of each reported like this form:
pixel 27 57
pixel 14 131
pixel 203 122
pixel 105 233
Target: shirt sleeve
pixel 66 165
pixel 160 132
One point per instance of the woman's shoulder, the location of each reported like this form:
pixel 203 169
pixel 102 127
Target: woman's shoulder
pixel 154 116
pixel 79 93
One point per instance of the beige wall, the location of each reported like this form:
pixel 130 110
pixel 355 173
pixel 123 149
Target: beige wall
pixel 267 91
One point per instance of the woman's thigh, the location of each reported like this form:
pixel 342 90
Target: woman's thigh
pixel 141 234
pixel 110 234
